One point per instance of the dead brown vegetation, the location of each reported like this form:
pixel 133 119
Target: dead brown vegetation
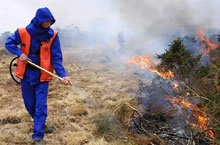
pixel 85 119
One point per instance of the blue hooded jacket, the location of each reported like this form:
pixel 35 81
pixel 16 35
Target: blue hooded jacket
pixel 38 34
pixel 36 30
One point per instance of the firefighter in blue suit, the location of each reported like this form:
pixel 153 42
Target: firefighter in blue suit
pixel 34 90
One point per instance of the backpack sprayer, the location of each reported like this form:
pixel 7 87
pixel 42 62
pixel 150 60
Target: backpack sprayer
pixel 13 63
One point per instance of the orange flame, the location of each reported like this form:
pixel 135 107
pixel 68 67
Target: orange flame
pixel 180 101
pixel 210 45
pixel 145 62
pixel 198 114
pixel 202 118
pixel 175 84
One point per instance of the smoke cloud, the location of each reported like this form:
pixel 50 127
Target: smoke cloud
pixel 161 21
pixel 143 26
pixel 159 17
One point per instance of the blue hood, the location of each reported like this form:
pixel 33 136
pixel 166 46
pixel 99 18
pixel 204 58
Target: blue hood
pixel 36 30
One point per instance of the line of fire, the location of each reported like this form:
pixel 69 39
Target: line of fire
pixel 174 109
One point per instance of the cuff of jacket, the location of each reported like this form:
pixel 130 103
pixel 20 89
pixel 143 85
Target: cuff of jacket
pixel 62 75
pixel 19 53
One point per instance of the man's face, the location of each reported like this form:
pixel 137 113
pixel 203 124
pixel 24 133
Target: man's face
pixel 46 24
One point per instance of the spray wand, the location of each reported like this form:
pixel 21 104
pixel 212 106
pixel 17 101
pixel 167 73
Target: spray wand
pixel 75 89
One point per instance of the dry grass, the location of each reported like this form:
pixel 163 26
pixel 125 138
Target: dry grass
pixel 75 118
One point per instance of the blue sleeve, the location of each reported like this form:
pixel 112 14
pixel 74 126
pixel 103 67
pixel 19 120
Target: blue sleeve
pixel 56 58
pixel 12 42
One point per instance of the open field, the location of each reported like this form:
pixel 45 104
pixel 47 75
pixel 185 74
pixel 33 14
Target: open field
pixel 76 119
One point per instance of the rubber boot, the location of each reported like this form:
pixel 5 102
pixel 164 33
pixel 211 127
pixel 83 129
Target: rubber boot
pixel 47 129
pixel 38 142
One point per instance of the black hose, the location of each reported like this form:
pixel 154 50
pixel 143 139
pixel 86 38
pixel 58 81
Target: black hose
pixel 10 69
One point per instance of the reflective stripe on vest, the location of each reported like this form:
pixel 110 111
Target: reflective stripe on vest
pixel 45 55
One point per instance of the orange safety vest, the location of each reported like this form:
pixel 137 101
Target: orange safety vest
pixel 45 55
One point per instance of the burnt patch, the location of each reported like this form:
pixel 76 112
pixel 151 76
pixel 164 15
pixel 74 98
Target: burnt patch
pixel 168 115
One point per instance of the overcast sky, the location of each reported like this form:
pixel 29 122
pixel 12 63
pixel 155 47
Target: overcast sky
pixel 150 14
pixel 146 20
pixel 18 13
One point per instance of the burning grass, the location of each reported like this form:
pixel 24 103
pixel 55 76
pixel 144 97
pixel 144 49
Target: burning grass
pixel 105 112
pixel 145 62
pixel 193 80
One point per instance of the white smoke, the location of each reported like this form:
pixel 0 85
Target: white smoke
pixel 160 21
pixel 159 17
pixel 83 13
pixel 147 25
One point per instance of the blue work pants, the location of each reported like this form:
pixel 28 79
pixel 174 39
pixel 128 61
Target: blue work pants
pixel 35 100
